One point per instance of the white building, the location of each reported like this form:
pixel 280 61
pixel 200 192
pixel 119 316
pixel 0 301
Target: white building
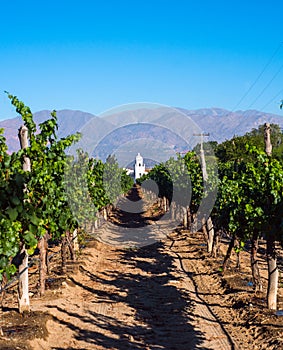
pixel 139 167
pixel 129 172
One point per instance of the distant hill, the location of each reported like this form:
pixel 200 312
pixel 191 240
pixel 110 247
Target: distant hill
pixel 150 131
pixel 223 124
pixel 69 122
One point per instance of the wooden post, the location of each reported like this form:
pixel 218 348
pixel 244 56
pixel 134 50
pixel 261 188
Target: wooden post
pixel 204 229
pixel 254 263
pixel 173 210
pixel 64 255
pixel 215 244
pixel 105 214
pixel 23 287
pixel 210 229
pixel 267 140
pixel 189 218
pixel 43 247
pixel 185 218
pixel 273 274
pixel 180 213
pixel 76 242
pixel 164 204
pixel 23 137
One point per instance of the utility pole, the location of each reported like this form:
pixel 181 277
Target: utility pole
pixel 206 222
pixel 202 158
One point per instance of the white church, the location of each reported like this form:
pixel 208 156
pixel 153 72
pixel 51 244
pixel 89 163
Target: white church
pixel 139 167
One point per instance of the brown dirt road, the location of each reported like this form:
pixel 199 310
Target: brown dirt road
pixel 131 299
pixel 166 295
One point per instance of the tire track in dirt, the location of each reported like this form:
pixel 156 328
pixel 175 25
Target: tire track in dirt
pixel 217 337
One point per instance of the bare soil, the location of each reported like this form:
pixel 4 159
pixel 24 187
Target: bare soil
pixel 167 295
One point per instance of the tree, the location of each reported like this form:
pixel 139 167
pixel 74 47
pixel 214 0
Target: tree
pixel 235 149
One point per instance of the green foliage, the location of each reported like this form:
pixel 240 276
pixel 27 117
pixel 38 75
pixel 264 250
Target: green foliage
pixel 127 181
pixel 235 149
pixel 251 194
pixel 62 193
pixel 56 195
pixel 238 248
pixel 195 173
pixel 11 206
pixel 179 180
pixel 83 186
pixel 32 203
pixel 208 147
pixel 91 185
pixel 112 179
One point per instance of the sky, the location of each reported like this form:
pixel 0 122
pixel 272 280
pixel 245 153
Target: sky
pixel 93 55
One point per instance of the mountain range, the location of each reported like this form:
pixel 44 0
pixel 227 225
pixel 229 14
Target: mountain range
pixel 157 132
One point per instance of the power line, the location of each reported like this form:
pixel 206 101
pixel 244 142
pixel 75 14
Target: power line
pixel 259 76
pixel 273 99
pixel 266 87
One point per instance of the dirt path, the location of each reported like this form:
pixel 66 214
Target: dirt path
pixel 131 299
pixel 143 301
pixel 167 295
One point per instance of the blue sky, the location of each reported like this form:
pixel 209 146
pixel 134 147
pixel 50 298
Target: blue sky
pixel 94 55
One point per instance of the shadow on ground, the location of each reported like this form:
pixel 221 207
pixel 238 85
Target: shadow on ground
pixel 162 312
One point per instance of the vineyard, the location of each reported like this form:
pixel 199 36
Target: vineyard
pixel 211 272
